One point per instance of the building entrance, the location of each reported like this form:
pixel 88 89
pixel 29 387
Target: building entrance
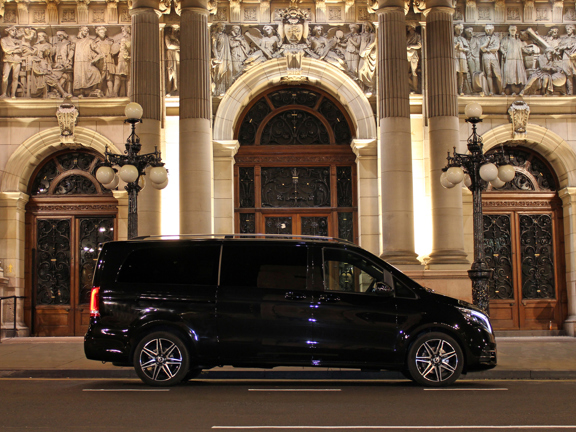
pixel 68 217
pixel 295 171
pixel 523 242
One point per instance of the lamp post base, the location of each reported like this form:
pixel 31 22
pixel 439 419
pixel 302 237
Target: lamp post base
pixel 480 279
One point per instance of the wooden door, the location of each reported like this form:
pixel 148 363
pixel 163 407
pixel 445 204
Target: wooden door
pixel 524 247
pixel 68 217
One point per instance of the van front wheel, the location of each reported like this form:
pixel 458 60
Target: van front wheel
pixel 161 359
pixel 435 360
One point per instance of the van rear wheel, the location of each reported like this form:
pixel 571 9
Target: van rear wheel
pixel 161 359
pixel 435 360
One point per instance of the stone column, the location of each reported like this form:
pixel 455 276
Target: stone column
pixel 568 196
pixel 196 165
pixel 145 70
pixel 447 227
pixel 395 139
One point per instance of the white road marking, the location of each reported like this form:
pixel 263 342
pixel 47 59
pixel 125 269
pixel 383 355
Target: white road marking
pixel 126 390
pixel 466 389
pixel 468 427
pixel 295 390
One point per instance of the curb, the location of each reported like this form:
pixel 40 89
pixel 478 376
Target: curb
pixel 287 375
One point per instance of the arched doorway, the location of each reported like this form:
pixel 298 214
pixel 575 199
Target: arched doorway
pixel 523 238
pixel 69 214
pixel 295 172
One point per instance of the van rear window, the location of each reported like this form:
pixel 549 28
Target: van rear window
pixel 187 264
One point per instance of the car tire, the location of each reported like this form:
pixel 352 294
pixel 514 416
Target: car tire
pixel 435 360
pixel 161 359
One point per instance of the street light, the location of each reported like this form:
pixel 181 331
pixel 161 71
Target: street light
pixel 130 167
pixel 471 168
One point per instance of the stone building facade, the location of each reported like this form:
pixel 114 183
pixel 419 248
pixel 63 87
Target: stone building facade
pixel 321 117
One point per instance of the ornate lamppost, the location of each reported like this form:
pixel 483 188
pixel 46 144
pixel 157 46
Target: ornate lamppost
pixel 471 168
pixel 131 166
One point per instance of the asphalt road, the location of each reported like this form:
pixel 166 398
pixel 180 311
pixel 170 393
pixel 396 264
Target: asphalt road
pixel 127 405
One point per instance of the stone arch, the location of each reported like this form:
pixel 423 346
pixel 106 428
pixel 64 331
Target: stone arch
pixel 319 73
pixel 35 149
pixel 551 146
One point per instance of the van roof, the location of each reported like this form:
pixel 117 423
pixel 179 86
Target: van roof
pixel 245 237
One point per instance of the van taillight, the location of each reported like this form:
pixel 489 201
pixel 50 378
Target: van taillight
pixel 95 302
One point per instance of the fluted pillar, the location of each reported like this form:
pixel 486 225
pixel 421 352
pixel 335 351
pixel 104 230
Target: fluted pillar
pixel 447 227
pixel 145 89
pixel 395 137
pixel 196 154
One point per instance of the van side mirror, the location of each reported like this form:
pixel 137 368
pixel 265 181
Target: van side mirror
pixel 383 289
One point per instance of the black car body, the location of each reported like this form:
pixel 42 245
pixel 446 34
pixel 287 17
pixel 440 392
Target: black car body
pixel 172 307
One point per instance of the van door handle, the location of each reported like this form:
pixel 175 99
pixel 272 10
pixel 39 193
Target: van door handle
pixel 292 296
pixel 328 298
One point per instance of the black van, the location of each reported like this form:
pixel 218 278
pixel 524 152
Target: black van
pixel 172 307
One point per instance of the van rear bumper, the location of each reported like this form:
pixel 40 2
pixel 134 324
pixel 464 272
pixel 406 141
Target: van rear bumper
pixel 108 347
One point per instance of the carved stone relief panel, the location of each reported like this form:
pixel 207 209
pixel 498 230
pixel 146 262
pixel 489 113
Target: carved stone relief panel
pixel 512 59
pixel 58 62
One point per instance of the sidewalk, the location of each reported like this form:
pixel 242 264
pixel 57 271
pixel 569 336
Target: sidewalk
pixel 59 357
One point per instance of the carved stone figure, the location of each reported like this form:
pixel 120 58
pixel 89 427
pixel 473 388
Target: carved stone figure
pixel 352 54
pixel 63 59
pixel 239 50
pixel 87 76
pixel 513 71
pixel 489 47
pixel 105 62
pixel 172 42
pixel 323 47
pixel 12 50
pixel 476 76
pixel 221 60
pixel 461 49
pixel 413 47
pixel 122 47
pixel 549 74
pixel 368 58
pixel 567 46
pixel 553 37
pixel 267 45
pixel 531 52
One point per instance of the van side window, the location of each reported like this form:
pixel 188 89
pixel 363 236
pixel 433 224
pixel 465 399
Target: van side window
pixel 172 264
pixel 349 271
pixel 264 266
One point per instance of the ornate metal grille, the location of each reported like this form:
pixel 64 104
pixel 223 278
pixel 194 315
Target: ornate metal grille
pixel 53 262
pixel 294 127
pixel 344 186
pixel 316 226
pixel 498 249
pixel 537 255
pixel 246 181
pixel 278 225
pixel 531 173
pixel 75 185
pixel 247 223
pixel 292 96
pixel 295 187
pixel 252 120
pixel 93 232
pixel 346 226
pixel 73 172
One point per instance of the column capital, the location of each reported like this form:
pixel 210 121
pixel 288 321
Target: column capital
pixel 201 6
pixel 440 8
pixel 385 4
pixel 145 4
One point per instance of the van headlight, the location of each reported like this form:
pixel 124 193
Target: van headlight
pixel 476 317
